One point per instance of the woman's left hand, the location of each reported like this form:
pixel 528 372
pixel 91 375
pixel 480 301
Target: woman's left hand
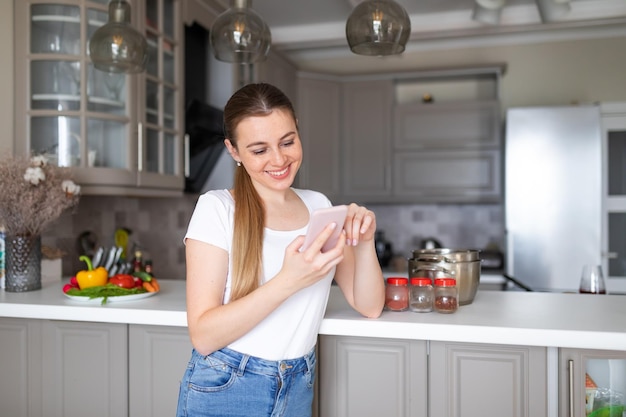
pixel 360 225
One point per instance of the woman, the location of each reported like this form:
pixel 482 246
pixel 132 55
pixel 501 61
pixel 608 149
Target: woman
pixel 254 300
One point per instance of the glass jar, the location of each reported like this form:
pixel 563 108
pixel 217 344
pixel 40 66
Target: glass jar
pixel 421 295
pixel 397 294
pixel 446 295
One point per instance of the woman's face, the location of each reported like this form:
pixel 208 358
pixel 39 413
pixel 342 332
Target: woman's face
pixel 269 149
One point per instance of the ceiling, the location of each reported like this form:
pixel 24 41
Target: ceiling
pixel 315 29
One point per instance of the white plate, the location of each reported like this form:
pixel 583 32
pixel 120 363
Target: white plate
pixel 98 300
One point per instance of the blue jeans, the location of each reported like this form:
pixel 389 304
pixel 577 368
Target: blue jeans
pixel 227 383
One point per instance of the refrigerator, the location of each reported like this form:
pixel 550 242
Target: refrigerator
pixel 553 194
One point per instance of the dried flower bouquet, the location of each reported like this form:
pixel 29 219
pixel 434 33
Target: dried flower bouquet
pixel 33 194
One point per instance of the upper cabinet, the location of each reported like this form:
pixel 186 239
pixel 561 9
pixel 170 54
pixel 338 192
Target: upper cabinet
pixel 318 100
pixel 419 137
pixel 366 136
pixel 161 93
pixel 447 137
pixel 121 134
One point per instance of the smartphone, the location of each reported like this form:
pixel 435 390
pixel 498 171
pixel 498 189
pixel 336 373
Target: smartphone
pixel 321 218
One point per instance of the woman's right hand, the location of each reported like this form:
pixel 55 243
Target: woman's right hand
pixel 302 269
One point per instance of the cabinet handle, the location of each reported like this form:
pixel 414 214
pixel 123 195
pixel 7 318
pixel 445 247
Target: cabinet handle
pixel 570 372
pixel 140 147
pixel 187 167
pixel 610 255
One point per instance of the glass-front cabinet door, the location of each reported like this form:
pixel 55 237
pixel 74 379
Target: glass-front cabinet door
pixel 120 133
pixel 160 113
pixel 614 192
pixel 592 383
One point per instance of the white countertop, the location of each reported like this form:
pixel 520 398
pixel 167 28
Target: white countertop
pixel 167 308
pixel 498 317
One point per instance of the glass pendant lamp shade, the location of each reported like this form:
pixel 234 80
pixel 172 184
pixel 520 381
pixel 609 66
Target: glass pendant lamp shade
pixel 378 27
pixel 240 35
pixel 116 46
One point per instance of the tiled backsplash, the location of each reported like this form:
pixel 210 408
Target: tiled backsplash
pixel 158 226
pixel 462 226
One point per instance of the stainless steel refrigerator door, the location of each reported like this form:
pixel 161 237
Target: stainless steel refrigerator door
pixel 553 194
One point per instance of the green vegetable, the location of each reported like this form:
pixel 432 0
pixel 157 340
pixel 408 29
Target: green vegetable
pixel 146 277
pixel 105 291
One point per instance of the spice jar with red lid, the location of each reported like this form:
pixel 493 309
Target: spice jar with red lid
pixel 397 294
pixel 421 294
pixel 446 295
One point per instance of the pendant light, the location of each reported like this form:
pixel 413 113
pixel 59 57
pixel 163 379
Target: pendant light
pixel 116 46
pixel 240 35
pixel 378 27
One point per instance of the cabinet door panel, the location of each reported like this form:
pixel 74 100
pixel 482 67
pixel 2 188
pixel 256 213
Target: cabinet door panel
pixel 438 176
pixel 85 369
pixel 158 358
pixel 367 109
pixel 605 367
pixel 318 112
pixel 372 377
pixel 473 380
pixel 465 125
pixel 20 359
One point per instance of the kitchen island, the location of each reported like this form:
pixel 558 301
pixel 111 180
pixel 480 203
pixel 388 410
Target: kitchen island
pixel 142 347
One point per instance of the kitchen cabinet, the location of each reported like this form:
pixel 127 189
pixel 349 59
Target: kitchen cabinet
pixel 62 368
pixel 318 100
pixel 465 125
pixel 606 368
pixel 160 98
pixel 473 380
pixel 394 148
pixel 454 176
pixel 448 152
pixel 120 134
pixel 158 357
pixel 420 378
pixel 372 377
pixel 614 195
pixel 84 369
pixel 20 361
pixel 367 118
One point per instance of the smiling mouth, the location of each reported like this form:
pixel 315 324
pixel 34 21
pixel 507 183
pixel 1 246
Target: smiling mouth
pixel 278 173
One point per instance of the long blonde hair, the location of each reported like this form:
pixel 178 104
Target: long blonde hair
pixel 250 100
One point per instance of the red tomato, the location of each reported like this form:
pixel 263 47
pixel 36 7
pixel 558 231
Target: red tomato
pixel 122 280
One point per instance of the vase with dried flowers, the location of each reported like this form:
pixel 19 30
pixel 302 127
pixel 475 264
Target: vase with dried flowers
pixel 34 194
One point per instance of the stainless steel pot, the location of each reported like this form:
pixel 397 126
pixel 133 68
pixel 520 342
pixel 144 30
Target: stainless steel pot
pixel 466 272
pixel 446 255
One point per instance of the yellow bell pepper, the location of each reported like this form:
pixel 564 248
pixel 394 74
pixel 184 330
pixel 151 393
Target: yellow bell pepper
pixel 91 277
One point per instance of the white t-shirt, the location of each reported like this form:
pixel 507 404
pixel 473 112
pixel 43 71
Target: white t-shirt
pixel 291 330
